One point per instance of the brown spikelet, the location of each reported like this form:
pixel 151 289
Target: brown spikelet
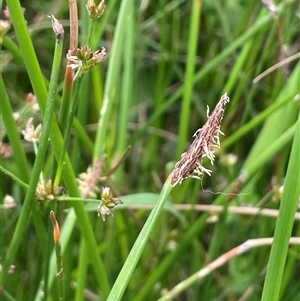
pixel 205 142
pixel 56 230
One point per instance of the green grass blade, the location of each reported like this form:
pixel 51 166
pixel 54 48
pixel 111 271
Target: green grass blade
pixel 38 164
pixel 112 76
pixel 40 90
pixel 284 223
pixel 189 75
pixel 125 274
pixel 12 132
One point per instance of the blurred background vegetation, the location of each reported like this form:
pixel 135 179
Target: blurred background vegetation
pixel 176 57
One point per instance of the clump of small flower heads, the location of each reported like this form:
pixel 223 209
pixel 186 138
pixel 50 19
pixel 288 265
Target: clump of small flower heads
pixel 46 192
pixel 5 150
pixel 4 28
pixel 88 180
pixel 108 202
pixel 32 102
pixel 9 202
pixel 31 133
pixel 84 59
pixel 204 145
pixel 95 11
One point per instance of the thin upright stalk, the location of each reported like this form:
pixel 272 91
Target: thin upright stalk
pixel 39 161
pixel 125 274
pixel 284 223
pixel 69 123
pixel 12 132
pixel 189 75
pixel 112 74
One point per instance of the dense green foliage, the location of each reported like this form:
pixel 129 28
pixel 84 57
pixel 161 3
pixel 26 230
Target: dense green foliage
pixel 165 62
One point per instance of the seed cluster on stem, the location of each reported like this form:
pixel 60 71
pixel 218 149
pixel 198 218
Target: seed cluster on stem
pixel 204 145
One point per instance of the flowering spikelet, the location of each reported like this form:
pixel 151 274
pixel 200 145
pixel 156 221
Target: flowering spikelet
pixel 108 202
pixel 205 142
pixel 31 133
pixel 88 180
pixel 46 192
pixel 84 59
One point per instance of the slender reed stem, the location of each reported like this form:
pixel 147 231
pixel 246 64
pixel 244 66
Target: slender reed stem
pixel 189 75
pixel 284 223
pixel 39 161
pixel 113 69
pixel 71 115
pixel 123 278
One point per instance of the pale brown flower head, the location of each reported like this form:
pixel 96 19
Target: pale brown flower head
pixel 18 118
pixel 84 59
pixel 108 202
pixel 95 11
pixel 57 27
pixel 4 28
pixel 31 101
pixel 9 202
pixel 46 192
pixel 205 142
pixel 32 134
pixel 88 180
pixel 5 150
pixel 277 192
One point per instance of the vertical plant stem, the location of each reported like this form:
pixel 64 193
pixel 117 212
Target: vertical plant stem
pixel 13 135
pixel 82 271
pixel 66 99
pixel 38 84
pixel 189 75
pixel 112 75
pixel 39 161
pixel 284 223
pixel 71 115
pixel 125 274
pixel 127 86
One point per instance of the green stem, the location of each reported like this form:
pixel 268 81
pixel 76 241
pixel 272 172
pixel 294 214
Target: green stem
pixel 39 87
pixel 14 177
pixel 38 164
pixel 77 199
pixel 126 94
pixel 90 33
pixel 13 135
pixel 189 75
pixel 284 223
pixel 71 115
pixel 82 270
pixel 113 69
pixel 126 272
